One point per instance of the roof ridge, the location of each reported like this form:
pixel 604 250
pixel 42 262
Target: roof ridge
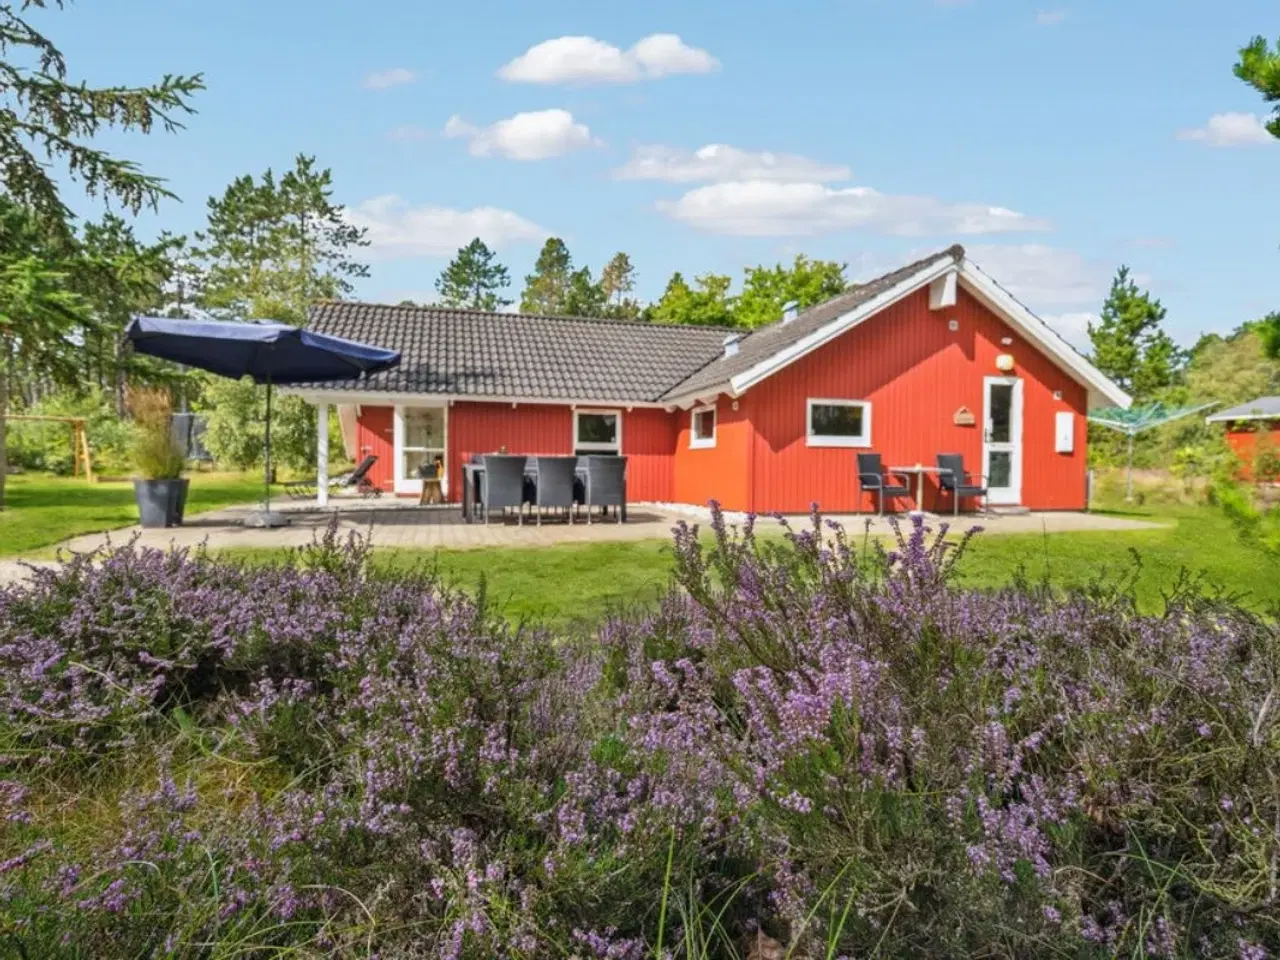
pixel 574 318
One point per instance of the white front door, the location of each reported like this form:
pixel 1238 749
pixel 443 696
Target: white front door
pixel 420 438
pixel 1002 439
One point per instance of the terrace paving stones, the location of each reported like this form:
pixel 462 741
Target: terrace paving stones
pixel 405 525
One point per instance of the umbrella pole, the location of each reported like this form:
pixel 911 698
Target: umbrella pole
pixel 1128 482
pixel 266 474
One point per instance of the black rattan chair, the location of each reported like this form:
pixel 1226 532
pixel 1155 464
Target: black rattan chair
pixel 871 477
pixel 554 484
pixel 605 484
pixel 953 480
pixel 502 485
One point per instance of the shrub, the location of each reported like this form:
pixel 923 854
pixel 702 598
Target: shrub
pixel 826 746
pixel 235 435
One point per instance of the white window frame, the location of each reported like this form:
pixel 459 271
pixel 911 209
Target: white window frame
pixel 826 440
pixel 592 446
pixel 703 443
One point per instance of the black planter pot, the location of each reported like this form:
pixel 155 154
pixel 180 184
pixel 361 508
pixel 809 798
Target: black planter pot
pixel 161 502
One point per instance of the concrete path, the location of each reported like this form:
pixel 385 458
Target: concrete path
pixel 395 524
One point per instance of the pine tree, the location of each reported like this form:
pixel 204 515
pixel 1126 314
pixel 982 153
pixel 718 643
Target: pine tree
pixel 617 280
pixel 1259 66
pixel 1129 344
pixel 585 297
pixel 275 247
pixel 473 279
pixel 547 288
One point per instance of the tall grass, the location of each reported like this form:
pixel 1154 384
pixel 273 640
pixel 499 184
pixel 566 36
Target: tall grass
pixel 156 453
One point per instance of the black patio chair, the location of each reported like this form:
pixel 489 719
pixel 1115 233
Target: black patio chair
pixel 502 485
pixel 554 484
pixel 953 479
pixel 871 477
pixel 605 484
pixel 358 478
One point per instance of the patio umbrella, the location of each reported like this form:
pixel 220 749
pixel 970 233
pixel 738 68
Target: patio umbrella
pixel 269 352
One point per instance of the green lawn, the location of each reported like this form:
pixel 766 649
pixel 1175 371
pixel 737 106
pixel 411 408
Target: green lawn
pixel 41 510
pixel 575 584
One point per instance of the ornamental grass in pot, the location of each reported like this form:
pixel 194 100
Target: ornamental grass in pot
pixel 159 487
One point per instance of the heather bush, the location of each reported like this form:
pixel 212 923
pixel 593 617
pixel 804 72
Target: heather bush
pixel 813 748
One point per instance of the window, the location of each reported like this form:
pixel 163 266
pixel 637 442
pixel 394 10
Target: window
pixel 597 431
pixel 839 423
pixel 702 432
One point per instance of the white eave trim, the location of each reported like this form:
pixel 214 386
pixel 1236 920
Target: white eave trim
pixel 370 398
pixel 1043 336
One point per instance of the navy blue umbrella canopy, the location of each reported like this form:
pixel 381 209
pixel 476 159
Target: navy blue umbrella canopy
pixel 269 352
pixel 266 351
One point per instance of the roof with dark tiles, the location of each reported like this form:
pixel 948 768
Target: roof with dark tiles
pixel 473 353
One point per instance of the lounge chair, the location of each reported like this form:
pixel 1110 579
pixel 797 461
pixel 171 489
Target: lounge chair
pixel 871 477
pixel 605 484
pixel 358 478
pixel 502 484
pixel 953 479
pixel 554 485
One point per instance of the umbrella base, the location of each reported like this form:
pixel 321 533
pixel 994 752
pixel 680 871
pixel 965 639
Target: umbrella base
pixel 266 519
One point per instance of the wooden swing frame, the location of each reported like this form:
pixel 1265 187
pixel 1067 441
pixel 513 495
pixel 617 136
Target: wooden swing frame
pixel 80 458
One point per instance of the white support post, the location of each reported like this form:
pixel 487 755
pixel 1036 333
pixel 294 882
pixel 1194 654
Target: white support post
pixel 322 454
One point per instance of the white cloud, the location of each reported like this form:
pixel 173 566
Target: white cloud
pixel 407 133
pixel 1230 130
pixel 1051 18
pixel 526 136
pixel 1073 328
pixel 384 79
pixel 397 230
pixel 588 60
pixel 762 208
pixel 720 162
pixel 1046 278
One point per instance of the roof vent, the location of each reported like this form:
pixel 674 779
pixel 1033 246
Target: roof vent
pixel 790 311
pixel 731 344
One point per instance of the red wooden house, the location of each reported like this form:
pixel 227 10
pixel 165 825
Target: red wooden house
pixel 1253 434
pixel 932 358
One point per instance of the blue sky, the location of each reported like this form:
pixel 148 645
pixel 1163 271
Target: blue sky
pixel 1055 140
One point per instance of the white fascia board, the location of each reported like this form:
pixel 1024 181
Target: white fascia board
pixel 1043 336
pixel 846 321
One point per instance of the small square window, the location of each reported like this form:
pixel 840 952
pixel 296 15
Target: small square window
pixel 597 431
pixel 838 423
pixel 703 427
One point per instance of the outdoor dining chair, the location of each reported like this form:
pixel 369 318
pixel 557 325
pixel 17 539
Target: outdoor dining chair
pixel 952 479
pixel 554 484
pixel 358 478
pixel 605 484
pixel 871 477
pixel 502 485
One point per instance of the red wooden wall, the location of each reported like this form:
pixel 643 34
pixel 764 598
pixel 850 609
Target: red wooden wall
pixel 375 433
pixel 539 428
pixel 916 373
pixel 1244 444
pixel 722 472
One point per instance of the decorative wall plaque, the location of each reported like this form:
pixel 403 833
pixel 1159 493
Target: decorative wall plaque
pixel 964 417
